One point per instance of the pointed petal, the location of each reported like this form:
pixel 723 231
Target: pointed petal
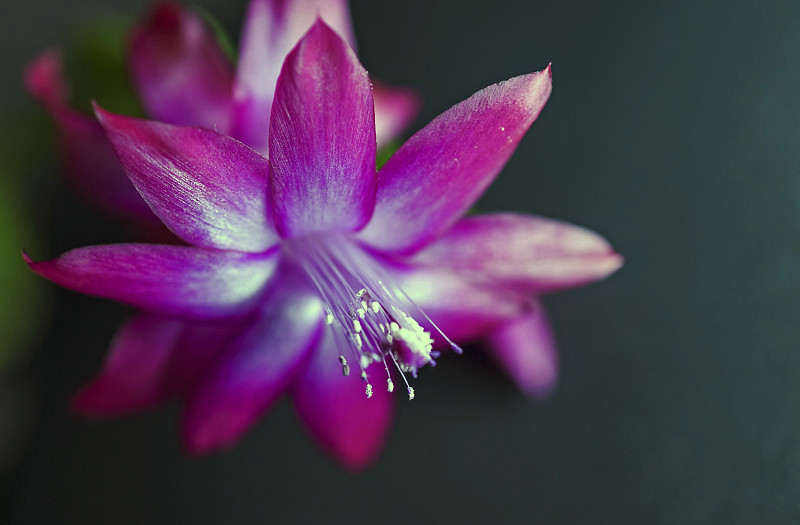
pixel 272 29
pixel 174 280
pixel 209 189
pixel 395 108
pixel 255 369
pixel 179 69
pixel 522 251
pixel 462 310
pixel 322 138
pixel 526 350
pixel 133 373
pixel 337 412
pixel 442 170
pixel 89 161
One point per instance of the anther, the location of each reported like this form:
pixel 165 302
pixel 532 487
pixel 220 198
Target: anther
pixel 410 393
pixel 389 385
pixel 369 390
pixel 345 366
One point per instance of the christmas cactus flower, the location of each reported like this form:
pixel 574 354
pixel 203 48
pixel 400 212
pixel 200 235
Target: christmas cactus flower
pixel 307 272
pixel 183 76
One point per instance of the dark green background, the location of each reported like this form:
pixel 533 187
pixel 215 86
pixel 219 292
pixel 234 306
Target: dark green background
pixel 673 130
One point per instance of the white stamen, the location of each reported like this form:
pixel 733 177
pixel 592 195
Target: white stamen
pixel 369 390
pixel 374 317
pixel 410 393
pixel 345 366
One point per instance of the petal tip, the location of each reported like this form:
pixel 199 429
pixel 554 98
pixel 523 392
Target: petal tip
pixel 42 77
pixel 542 390
pixel 101 114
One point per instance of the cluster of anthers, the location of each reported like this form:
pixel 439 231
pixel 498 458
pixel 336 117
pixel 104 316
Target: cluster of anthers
pixel 378 334
pixel 367 311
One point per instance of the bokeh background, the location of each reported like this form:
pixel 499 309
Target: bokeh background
pixel 673 129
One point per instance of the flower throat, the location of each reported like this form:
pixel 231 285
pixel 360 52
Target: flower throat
pixel 372 317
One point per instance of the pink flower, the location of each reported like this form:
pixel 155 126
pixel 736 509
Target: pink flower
pixel 279 248
pixel 183 77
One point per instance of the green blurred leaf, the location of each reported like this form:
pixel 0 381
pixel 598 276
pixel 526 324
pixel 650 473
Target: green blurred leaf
pixel 21 292
pixel 385 153
pixel 220 34
pixel 95 64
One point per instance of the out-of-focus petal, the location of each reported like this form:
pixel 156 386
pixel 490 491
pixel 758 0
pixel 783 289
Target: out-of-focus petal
pixel 395 108
pixel 523 251
pixel 255 369
pixel 526 350
pixel 133 374
pixel 336 410
pixel 209 189
pixel 179 69
pixel 90 162
pixel 442 170
pixel 197 350
pixel 464 311
pixel 174 280
pixel 272 29
pixel 322 138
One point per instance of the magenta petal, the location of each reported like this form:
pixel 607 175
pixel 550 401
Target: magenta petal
pixel 395 108
pixel 176 280
pixel 526 350
pixel 272 29
pixel 133 374
pixel 464 311
pixel 91 165
pixel 198 349
pixel 523 251
pixel 322 138
pixel 209 189
pixel 336 410
pixel 442 170
pixel 179 69
pixel 254 370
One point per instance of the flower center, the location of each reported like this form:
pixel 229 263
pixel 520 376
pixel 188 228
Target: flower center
pixel 372 317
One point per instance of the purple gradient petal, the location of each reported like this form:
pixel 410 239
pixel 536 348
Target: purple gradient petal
pixel 322 138
pixel 174 280
pixel 199 347
pixel 133 374
pixel 464 311
pixel 90 162
pixel 179 69
pixel 442 170
pixel 272 29
pixel 255 369
pixel 526 350
pixel 514 250
pixel 395 108
pixel 209 189
pixel 336 410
